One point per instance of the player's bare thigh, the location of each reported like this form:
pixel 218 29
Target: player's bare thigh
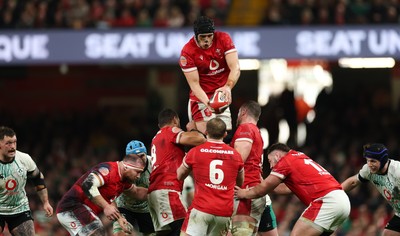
pixel 302 228
pixel 387 232
pixel 201 126
pixel 26 228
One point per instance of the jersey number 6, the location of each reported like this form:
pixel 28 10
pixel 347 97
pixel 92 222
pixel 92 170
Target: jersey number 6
pixel 216 175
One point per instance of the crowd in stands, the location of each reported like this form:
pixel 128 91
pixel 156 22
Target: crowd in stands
pixel 105 14
pixel 331 12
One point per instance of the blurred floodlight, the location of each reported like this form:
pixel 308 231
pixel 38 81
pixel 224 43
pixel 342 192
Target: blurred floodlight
pixel 249 64
pixel 265 137
pixel 377 62
pixel 284 131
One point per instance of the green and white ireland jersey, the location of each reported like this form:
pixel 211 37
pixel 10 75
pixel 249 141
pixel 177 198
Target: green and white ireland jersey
pixel 13 176
pixel 387 184
pixel 134 205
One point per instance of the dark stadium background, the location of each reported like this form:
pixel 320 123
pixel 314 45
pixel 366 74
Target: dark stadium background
pixel 71 116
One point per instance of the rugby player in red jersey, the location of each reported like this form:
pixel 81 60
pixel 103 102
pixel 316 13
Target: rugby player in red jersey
pixel 248 142
pixel 328 206
pixel 166 204
pixel 210 63
pixel 216 168
pixel 94 192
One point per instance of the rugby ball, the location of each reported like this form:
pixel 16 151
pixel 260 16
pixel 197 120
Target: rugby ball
pixel 218 102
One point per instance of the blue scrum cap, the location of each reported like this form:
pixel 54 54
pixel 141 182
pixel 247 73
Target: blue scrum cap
pixel 136 147
pixel 376 151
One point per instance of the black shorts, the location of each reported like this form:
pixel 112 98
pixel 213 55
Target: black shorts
pixel 268 220
pixel 141 221
pixel 15 220
pixel 394 224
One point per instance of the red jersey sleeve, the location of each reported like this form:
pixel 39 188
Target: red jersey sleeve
pixel 248 132
pixel 186 60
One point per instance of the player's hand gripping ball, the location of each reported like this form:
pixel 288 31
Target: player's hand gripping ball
pixel 218 102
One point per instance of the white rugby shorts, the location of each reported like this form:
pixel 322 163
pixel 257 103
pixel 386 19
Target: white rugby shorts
pixel 165 206
pixel 328 212
pixel 198 223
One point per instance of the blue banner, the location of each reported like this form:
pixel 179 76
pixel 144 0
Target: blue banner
pixel 162 46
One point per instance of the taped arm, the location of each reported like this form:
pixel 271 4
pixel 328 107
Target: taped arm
pixel 37 179
pixel 90 187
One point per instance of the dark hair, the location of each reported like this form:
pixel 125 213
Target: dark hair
pixel 203 25
pixel 253 108
pixel 216 128
pixel 278 146
pixel 166 116
pixel 5 131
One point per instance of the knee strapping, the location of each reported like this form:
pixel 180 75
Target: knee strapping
pixel 243 229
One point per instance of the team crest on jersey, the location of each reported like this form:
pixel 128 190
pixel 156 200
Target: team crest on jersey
pixel 104 171
pixel 218 51
pixel 183 61
pixel 201 57
pixel 21 171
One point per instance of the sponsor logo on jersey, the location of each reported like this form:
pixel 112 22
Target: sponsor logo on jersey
pixel 207 150
pixel 214 65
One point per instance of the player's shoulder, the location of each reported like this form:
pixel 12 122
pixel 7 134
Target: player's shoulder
pixel 168 130
pixel 394 167
pixel 106 168
pixel 22 156
pixel 108 165
pixel 189 45
pixel 247 126
pixel 364 172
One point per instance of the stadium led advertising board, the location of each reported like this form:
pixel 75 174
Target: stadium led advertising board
pixel 162 46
